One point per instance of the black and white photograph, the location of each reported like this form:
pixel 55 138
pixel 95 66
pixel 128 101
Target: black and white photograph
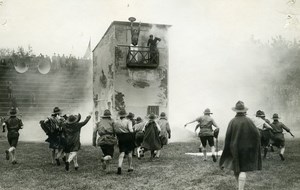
pixel 149 94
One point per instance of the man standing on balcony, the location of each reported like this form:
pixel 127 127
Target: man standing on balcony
pixel 152 44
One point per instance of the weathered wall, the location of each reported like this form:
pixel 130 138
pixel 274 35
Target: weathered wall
pixel 119 87
pixel 142 87
pixel 103 73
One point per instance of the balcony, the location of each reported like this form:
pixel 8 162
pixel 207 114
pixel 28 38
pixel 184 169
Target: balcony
pixel 142 57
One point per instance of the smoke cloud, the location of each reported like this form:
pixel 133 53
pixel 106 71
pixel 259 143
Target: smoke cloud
pixel 213 60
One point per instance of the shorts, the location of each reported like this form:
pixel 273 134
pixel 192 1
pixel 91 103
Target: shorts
pixel 108 150
pixel 278 140
pixel 13 141
pixel 126 142
pixel 13 138
pixel 205 139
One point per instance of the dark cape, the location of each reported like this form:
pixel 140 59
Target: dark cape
pixel 242 146
pixel 151 137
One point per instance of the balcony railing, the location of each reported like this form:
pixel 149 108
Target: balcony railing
pixel 142 57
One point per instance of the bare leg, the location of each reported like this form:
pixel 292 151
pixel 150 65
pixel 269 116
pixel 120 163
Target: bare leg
pixel 120 162
pixel 152 153
pixel 204 154
pixel 138 152
pixel 213 152
pixel 71 156
pixel 106 161
pixel 130 161
pixel 242 180
pixel 75 162
pixel 200 147
pixel 52 156
pixel 12 151
pixel 158 153
pixel 59 153
pixel 282 149
pixel 121 158
pixel 265 152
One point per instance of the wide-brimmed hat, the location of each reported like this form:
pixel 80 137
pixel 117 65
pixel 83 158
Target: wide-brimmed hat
pixel 163 115
pixel 56 110
pixel 240 107
pixel 106 114
pixel 72 119
pixel 207 111
pixel 139 119
pixel 13 112
pixel 130 115
pixel 260 113
pixel 122 113
pixel 275 116
pixel 151 116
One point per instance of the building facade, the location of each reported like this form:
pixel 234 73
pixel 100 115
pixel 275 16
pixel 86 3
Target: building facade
pixel 131 77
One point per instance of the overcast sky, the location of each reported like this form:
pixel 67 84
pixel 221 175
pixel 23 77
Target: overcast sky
pixel 209 64
pixel 66 26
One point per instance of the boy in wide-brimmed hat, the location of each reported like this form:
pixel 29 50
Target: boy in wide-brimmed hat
pixel 260 122
pixel 151 140
pixel 242 146
pixel 72 128
pixel 278 139
pixel 107 139
pixel 205 124
pixel 13 125
pixel 139 135
pixel 55 137
pixel 165 132
pixel 264 127
pixel 130 116
pixel 126 144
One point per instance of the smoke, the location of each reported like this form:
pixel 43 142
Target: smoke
pixel 214 62
pixel 70 90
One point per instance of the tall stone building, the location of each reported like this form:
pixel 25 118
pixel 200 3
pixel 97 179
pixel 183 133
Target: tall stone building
pixel 131 77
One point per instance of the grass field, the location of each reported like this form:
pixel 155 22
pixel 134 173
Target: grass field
pixel 174 170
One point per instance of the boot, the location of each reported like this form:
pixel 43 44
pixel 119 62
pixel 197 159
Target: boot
pixel 67 166
pixel 119 172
